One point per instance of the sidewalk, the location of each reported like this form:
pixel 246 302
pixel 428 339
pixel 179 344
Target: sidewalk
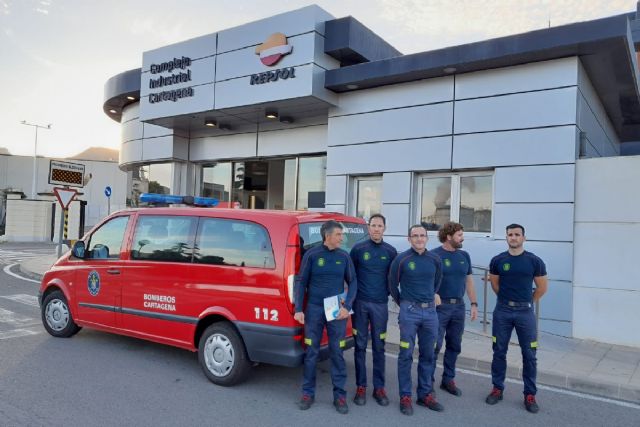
pixel 592 367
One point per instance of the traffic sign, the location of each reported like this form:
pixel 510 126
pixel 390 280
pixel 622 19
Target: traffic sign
pixel 107 191
pixel 64 196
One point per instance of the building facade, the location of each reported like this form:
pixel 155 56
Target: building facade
pixel 305 111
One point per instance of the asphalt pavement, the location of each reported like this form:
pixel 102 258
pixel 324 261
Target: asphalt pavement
pixel 584 366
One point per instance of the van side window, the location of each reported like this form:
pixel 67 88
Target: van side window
pixel 106 241
pixel 163 238
pixel 231 242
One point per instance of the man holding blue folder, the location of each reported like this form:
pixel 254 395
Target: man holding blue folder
pixel 323 271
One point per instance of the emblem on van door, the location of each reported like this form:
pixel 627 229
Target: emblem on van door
pixel 273 49
pixel 93 283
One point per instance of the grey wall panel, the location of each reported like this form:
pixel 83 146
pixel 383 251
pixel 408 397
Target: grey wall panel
pixel 542 221
pixel 202 71
pixel 202 100
pixel 310 139
pixel 304 20
pixel 518 111
pixel 130 130
pixel 548 183
pixel 595 257
pixel 607 189
pixel 396 96
pixel 416 154
pixel 336 190
pixel 520 78
pixel 523 147
pixel 556 327
pixel 180 148
pixel 130 112
pixel 397 219
pixel 153 131
pixel 224 147
pixel 322 59
pixel 157 148
pixel 244 62
pixel 402 123
pixel 238 92
pixel 592 98
pixel 396 187
pixel 198 47
pixel 557 303
pixel 593 132
pixel 318 89
pixel 130 152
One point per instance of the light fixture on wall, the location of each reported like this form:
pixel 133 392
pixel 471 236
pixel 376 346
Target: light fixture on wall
pixel 113 111
pixel 286 119
pixel 131 98
pixel 271 114
pixel 210 123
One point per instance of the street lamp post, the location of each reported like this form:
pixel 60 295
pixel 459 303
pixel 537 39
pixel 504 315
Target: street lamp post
pixel 35 152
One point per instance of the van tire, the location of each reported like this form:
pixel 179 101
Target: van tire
pixel 222 355
pixel 56 316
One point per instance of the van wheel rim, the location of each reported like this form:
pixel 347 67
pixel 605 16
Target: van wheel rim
pixel 57 315
pixel 219 355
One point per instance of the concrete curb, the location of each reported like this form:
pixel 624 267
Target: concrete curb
pixel 549 378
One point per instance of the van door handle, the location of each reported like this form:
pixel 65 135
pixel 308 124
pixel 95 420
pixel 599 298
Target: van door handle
pixel 113 271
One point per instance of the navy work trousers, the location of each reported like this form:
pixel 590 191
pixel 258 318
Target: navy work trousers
pixel 375 315
pixel 523 319
pixel 314 323
pixel 423 323
pixel 450 330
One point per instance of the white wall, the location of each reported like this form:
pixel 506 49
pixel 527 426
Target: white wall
pixel 606 284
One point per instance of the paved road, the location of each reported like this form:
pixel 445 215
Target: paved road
pixel 96 378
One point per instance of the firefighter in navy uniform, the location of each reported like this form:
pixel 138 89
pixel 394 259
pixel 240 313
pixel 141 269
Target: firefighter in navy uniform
pixel 323 271
pixel 512 274
pixel 371 259
pixel 456 279
pixel 418 272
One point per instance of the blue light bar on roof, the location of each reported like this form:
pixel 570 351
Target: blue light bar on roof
pixel 169 199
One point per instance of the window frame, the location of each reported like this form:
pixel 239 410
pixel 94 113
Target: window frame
pixel 141 218
pixel 455 198
pixel 353 191
pixel 123 243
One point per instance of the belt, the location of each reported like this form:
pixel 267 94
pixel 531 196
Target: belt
pixel 451 300
pixel 421 304
pixel 516 303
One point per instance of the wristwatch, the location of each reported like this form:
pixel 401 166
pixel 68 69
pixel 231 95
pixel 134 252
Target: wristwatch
pixel 474 303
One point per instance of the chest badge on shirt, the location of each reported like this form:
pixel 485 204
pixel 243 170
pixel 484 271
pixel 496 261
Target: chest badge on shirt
pixel 506 266
pixel 366 256
pixel 447 262
pixel 412 265
pixel 320 262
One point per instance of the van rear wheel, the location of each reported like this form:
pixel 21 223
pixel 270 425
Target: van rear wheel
pixel 222 355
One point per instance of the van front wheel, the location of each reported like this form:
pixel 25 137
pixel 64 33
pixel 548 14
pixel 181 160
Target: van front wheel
pixel 222 355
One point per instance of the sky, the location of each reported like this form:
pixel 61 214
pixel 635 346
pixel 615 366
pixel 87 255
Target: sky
pixel 56 55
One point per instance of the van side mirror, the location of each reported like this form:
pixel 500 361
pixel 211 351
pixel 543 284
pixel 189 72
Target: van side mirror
pixel 78 249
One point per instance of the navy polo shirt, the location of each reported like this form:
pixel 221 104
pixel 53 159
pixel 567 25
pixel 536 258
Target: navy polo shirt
pixel 417 275
pixel 516 275
pixel 456 266
pixel 322 274
pixel 372 261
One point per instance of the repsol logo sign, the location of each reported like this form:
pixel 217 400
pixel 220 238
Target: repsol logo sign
pixel 273 76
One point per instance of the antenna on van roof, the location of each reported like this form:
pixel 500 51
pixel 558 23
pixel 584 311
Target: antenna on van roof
pixel 170 199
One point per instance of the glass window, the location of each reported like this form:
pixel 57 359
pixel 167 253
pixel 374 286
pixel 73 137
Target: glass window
pixel 311 181
pixel 154 178
pixel 475 203
pixel 290 182
pixel 216 181
pixel 310 235
pixel 465 198
pixel 163 238
pixel 435 207
pixel 106 241
pixel 368 195
pixel 231 242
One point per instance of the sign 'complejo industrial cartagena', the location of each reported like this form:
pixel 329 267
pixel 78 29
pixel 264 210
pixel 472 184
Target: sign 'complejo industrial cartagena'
pixel 184 76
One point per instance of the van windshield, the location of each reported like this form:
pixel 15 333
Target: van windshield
pixel 310 235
